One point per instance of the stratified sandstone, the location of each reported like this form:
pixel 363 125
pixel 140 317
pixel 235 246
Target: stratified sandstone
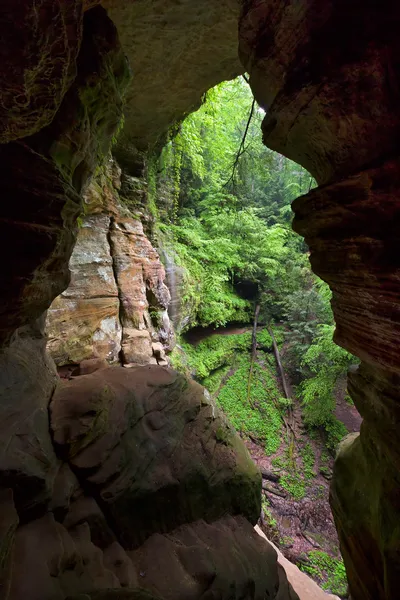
pixel 330 106
pixel 327 73
pixel 115 307
pixel 84 321
pixel 42 176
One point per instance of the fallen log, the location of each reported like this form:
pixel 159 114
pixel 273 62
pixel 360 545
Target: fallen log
pixel 269 475
pixel 271 490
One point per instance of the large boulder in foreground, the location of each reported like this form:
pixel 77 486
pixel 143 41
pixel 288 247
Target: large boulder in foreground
pixel 153 450
pixel 224 559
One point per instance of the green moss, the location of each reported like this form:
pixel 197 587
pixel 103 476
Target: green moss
pixel 214 381
pixel 328 570
pixel 336 431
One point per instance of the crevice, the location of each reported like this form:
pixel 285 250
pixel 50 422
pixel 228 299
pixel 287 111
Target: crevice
pixel 114 269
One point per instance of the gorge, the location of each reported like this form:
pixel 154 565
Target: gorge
pixel 131 480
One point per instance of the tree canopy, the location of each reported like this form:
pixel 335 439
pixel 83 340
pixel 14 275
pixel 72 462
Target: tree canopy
pixel 226 210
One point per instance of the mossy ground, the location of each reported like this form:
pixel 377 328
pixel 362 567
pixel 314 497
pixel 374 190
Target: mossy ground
pixel 252 400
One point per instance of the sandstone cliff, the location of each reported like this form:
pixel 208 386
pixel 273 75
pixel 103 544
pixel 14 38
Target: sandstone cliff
pixel 115 307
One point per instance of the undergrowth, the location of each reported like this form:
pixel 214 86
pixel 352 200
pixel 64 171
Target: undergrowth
pixel 328 570
pixel 258 415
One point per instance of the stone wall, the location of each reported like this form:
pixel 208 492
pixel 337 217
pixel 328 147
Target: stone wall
pixel 115 307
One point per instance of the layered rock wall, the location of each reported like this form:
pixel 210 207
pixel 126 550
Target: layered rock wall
pixel 115 307
pixel 328 76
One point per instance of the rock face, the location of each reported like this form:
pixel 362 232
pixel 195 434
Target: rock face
pixel 330 107
pixel 116 304
pixel 42 175
pixel 185 566
pixel 171 47
pixel 28 463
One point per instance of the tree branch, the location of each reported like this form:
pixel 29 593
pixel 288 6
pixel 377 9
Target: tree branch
pixel 242 149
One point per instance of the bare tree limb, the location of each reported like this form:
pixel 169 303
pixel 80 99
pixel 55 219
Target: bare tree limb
pixel 242 148
pixel 271 490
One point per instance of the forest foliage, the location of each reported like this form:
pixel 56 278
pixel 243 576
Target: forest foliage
pixel 227 220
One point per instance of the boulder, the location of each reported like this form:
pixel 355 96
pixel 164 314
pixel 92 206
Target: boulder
pixel 225 559
pixel 153 448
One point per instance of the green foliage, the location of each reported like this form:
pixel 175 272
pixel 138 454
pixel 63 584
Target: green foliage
pixel 325 362
pixel 224 236
pixel 264 340
pixel 215 352
pixel 270 522
pixel 294 484
pixel 335 432
pixel 258 415
pixel 231 232
pixel 308 457
pixel 328 570
pixel 214 381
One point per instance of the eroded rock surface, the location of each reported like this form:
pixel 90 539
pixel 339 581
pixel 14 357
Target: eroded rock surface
pixel 177 52
pixel 42 175
pixel 224 559
pixel 115 307
pixel 152 495
pixel 152 448
pixel 28 462
pixel 330 108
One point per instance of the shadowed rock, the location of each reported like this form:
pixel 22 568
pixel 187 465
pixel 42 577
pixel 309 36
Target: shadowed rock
pixel 151 448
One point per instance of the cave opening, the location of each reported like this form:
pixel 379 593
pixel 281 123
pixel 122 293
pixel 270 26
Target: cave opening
pixel 328 75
